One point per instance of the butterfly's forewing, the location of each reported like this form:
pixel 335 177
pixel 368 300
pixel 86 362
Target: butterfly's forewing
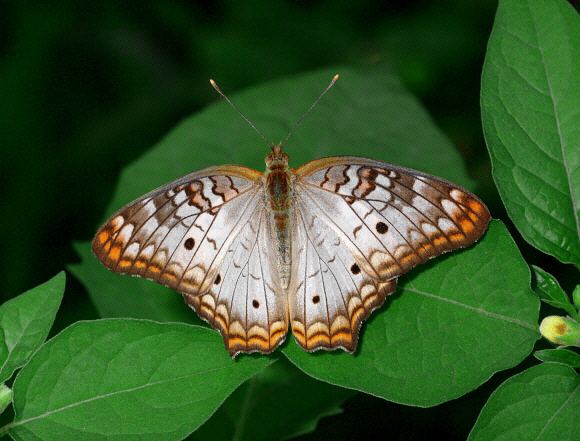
pixel 396 217
pixel 181 235
pixel 388 218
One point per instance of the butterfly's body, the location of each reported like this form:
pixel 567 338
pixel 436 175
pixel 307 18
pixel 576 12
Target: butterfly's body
pixel 316 249
pixel 278 180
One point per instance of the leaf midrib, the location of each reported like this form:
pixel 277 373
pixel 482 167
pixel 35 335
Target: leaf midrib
pixel 19 338
pixel 481 311
pixel 558 128
pixel 108 395
pixel 557 412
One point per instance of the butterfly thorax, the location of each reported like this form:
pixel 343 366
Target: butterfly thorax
pixel 279 196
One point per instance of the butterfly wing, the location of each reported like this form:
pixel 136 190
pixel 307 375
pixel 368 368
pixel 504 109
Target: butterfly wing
pixel 372 222
pixel 329 296
pixel 244 303
pixel 185 235
pixel 396 217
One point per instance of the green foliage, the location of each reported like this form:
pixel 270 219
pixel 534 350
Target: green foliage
pixel 458 300
pixel 25 322
pixel 5 397
pixel 125 379
pixel 529 100
pixel 542 403
pixel 368 112
pixel 452 326
pixel 576 297
pixel 279 402
pixel 561 355
pixel 453 322
pixel 87 90
pixel 3 348
pixel 549 290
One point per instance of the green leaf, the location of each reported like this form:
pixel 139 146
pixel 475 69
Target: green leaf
pixel 542 403
pixel 367 113
pixel 26 321
pixel 5 397
pixel 125 380
pixel 455 322
pixel 279 403
pixel 563 356
pixel 3 348
pixel 529 100
pixel 576 297
pixel 550 291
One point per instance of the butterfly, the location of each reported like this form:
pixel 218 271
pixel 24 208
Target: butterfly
pixel 316 249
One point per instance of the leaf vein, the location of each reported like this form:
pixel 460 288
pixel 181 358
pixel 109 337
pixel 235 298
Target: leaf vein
pixel 108 395
pixel 481 311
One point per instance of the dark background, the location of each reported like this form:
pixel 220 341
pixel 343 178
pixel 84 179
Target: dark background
pixel 86 87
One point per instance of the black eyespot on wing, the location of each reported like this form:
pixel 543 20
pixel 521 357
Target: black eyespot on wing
pixel 218 279
pixel 382 228
pixel 316 299
pixel 189 244
pixel 355 269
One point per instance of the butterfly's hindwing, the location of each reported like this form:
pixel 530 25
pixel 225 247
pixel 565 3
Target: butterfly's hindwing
pixel 329 296
pixel 245 302
pixel 395 217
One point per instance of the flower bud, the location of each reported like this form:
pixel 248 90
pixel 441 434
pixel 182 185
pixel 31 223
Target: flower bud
pixel 561 330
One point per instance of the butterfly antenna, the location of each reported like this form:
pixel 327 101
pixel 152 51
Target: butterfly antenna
pixel 218 90
pixel 297 123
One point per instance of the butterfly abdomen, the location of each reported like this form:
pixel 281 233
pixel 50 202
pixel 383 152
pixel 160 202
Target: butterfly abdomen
pixel 278 183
